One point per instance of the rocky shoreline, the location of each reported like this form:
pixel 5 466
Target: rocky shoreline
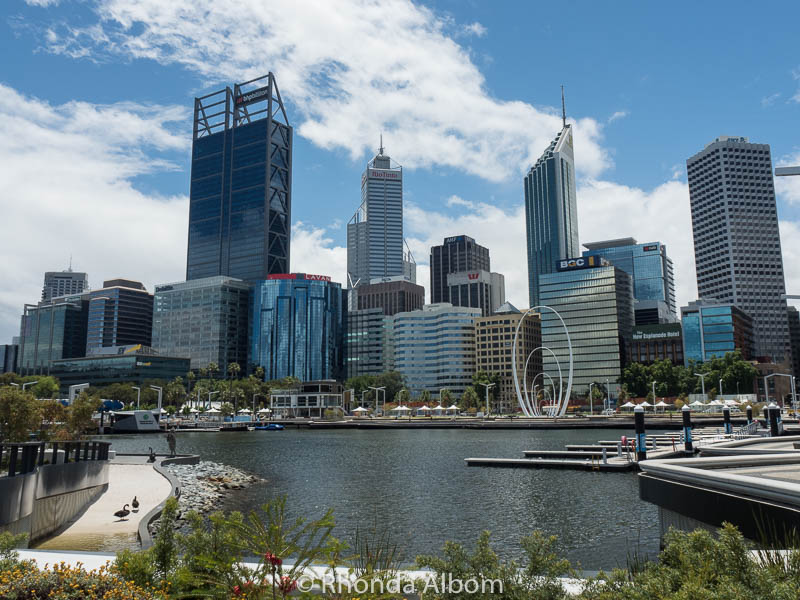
pixel 203 486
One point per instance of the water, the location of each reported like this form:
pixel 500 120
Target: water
pixel 415 483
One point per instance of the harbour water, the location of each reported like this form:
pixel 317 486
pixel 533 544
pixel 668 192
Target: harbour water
pixel 414 483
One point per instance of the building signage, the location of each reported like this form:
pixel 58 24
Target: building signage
pixel 318 277
pixel 473 275
pixel 380 174
pixel 585 262
pixel 164 288
pixel 306 276
pixel 650 247
pixel 282 276
pixel 454 239
pixel 253 96
pixel 671 331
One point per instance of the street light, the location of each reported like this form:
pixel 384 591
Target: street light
pixel 138 395
pixel 654 392
pixel 791 381
pixel 608 395
pixel 25 384
pixel 209 397
pixel 160 391
pixel 383 388
pixel 720 387
pixel 590 397
pixel 702 377
pixel 487 386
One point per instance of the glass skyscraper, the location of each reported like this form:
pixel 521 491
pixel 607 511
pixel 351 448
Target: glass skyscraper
pixel 120 314
pixel 458 254
pixel 206 320
pixel 297 325
pixel 52 330
pixel 551 211
pixel 240 198
pixel 368 344
pixel 712 329
pixel 737 243
pixel 64 283
pixel 648 265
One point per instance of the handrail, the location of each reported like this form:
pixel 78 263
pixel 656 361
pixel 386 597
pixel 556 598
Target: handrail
pixel 25 457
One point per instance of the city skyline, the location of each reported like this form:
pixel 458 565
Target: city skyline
pixel 452 186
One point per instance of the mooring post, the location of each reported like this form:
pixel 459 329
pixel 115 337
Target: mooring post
pixel 772 415
pixel 726 418
pixel 686 413
pixel 749 411
pixel 641 437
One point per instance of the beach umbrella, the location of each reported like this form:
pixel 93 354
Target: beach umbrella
pixel 646 404
pixel 697 404
pixel 423 408
pixel 628 405
pixel 360 410
pixel 244 411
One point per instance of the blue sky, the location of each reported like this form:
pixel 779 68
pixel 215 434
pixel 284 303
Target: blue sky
pixel 96 98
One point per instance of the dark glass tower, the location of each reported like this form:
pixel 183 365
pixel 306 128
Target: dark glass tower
pixel 241 189
pixel 458 254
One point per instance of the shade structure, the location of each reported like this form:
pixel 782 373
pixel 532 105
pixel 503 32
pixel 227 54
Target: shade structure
pixel 424 408
pixel 401 408
pixel 193 410
pixel 244 411
pixel 360 409
pixel 213 411
pixel 628 405
pixel 696 403
pixel 715 403
pixel 264 410
pixel 662 404
pixel 646 404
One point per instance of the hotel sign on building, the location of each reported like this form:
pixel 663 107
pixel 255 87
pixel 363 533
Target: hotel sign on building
pixel 650 343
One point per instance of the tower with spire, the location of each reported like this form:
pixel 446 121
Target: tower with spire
pixel 551 210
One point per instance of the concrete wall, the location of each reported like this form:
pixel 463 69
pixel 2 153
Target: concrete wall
pixel 41 502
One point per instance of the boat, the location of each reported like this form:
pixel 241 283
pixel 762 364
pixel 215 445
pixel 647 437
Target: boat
pixel 269 427
pixel 233 427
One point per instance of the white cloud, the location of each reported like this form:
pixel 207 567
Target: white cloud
pixel 349 68
pixel 790 232
pixel 475 29
pixel 314 252
pixel 770 100
pixel 788 188
pixel 43 3
pixel 620 114
pixel 66 190
pixel 459 201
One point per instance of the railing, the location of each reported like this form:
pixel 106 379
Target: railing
pixel 746 431
pixel 24 457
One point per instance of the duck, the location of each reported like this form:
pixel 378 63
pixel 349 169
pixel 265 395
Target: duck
pixel 121 514
pixel 135 504
pixel 152 457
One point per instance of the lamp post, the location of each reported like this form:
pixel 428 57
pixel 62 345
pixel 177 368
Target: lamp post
pixel 383 388
pixel 138 395
pixel 608 395
pixel 590 397
pixel 791 382
pixel 720 387
pixel 350 396
pixel 702 377
pixel 24 385
pixel 362 397
pixel 160 391
pixel 487 386
pixel 654 392
pixel 209 397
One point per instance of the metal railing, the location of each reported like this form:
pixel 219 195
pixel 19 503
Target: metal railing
pixel 746 431
pixel 25 457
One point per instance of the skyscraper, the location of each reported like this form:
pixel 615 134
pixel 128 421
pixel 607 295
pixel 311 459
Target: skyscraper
pixel 737 245
pixel 551 210
pixel 458 254
pixel 240 199
pixel 63 283
pixel 652 273
pixel 375 232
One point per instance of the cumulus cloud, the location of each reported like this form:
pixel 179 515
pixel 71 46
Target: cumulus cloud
pixel 348 71
pixel 770 100
pixel 313 251
pixel 66 190
pixel 475 29
pixel 788 188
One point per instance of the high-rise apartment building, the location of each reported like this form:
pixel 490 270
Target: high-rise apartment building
pixel 477 289
pixel 120 314
pixel 494 337
pixel 737 244
pixel 652 273
pixel 64 283
pixel 206 320
pixel 551 209
pixel 297 327
pixel 458 254
pixel 435 348
pixel 595 299
pixel 794 338
pixel 712 329
pixel 240 200
pixel 375 246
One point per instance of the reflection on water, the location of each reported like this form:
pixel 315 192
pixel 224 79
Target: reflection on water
pixel 415 483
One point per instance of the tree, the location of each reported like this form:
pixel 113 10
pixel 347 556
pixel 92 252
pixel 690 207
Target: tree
pixel 20 414
pixel 175 391
pixel 484 377
pixel 445 396
pixel 393 381
pixel 46 386
pixel 226 409
pixel 401 396
pixel 79 415
pixel 425 397
pixel 637 378
pixel 469 399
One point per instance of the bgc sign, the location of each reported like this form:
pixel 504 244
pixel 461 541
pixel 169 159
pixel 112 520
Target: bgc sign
pixel 584 262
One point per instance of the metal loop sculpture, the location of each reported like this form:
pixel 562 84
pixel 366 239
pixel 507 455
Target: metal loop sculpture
pixel 559 407
pixel 532 406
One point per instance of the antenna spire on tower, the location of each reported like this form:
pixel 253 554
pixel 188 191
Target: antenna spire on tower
pixel 563 108
pixel 380 149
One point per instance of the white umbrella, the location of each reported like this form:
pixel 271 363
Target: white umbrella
pixel 360 409
pixel 628 405
pixel 213 411
pixel 732 402
pixel 423 407
pixel 244 411
pixel 646 404
pixel 697 403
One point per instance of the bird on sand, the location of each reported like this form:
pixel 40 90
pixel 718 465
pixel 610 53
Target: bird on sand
pixel 135 504
pixel 121 514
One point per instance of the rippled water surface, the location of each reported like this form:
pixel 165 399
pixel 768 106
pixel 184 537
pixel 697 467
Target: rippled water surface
pixel 416 484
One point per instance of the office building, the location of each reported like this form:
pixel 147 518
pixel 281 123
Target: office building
pixel 551 209
pixel 120 314
pixel 652 273
pixel 458 254
pixel 391 294
pixel 8 358
pixel 308 399
pixel 435 348
pixel 477 289
pixel 240 199
pixel 794 339
pixel 737 244
pixel 52 330
pixel 650 343
pixel 494 337
pixel 779 389
pixel 206 320
pixel 375 246
pixel 595 299
pixel 712 329
pixel 368 343
pixel 64 283
pixel 298 326
pixel 134 365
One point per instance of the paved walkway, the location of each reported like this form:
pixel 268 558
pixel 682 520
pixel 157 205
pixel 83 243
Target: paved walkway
pixel 97 528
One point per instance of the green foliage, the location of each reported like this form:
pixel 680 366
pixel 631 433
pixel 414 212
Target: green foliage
pixel 79 416
pixel 391 380
pixel 165 547
pixel 425 397
pixel 469 399
pixel 8 545
pixel 226 408
pixel 20 414
pixel 484 377
pixel 136 567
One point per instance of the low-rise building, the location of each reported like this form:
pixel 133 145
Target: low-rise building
pixel 308 399
pixel 712 329
pixel 650 343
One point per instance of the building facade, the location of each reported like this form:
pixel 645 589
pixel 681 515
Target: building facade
pixel 309 399
pixel 494 341
pixel 435 348
pixel 52 330
pixel 712 329
pixel 477 289
pixel 794 339
pixel 652 273
pixel 8 357
pixel 64 283
pixel 596 303
pixel 650 343
pixel 375 232
pixel 368 343
pixel 551 210
pixel 135 367
pixel 120 314
pixel 391 294
pixel 298 325
pixel 205 320
pixel 240 199
pixel 458 254
pixel 737 244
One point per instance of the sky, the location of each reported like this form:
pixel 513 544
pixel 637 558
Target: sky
pixel 96 102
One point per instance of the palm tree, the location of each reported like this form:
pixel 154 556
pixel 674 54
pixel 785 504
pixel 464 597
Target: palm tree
pixel 233 371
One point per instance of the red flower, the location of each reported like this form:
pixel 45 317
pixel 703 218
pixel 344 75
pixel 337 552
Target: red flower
pixel 237 591
pixel 272 559
pixel 287 585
